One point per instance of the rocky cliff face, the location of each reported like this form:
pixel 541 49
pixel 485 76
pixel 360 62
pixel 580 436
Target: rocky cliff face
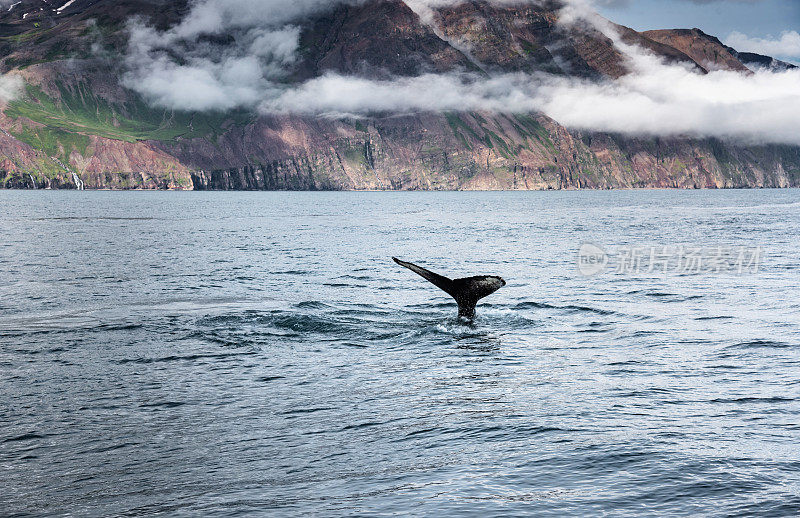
pixel 77 127
pixel 712 53
pixel 706 50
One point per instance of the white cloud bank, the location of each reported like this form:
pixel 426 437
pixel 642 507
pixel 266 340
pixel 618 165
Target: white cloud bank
pixel 656 98
pixel 10 87
pixel 662 101
pixel 787 46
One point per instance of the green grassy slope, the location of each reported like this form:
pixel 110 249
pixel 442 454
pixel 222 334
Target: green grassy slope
pixel 77 112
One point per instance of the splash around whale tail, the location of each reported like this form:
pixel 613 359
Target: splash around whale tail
pixel 467 291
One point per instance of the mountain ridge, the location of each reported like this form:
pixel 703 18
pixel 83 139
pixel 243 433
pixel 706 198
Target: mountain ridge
pixel 77 125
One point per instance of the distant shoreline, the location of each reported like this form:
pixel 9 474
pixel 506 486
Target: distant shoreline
pixel 570 189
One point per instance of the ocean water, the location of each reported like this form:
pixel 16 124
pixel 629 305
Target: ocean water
pixel 260 353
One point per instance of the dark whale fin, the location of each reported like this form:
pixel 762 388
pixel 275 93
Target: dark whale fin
pixel 467 291
pixel 440 281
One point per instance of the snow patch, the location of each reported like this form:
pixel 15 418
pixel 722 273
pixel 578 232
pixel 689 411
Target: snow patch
pixel 60 9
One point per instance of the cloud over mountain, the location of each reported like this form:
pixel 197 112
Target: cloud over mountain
pixel 787 46
pixel 238 53
pixel 10 87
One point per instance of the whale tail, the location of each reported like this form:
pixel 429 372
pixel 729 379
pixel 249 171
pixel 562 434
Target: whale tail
pixel 467 291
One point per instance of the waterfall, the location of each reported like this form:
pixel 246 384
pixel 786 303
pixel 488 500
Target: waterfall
pixel 77 180
pixel 33 181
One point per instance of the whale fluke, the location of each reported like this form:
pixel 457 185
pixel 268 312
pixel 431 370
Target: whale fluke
pixel 467 291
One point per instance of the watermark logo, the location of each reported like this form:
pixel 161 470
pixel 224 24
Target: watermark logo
pixel 592 260
pixel 666 260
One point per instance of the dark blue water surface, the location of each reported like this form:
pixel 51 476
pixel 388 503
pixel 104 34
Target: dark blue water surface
pixel 223 353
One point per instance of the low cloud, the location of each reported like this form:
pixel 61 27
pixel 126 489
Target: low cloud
pixel 183 68
pixel 787 46
pixel 664 100
pixel 668 100
pixel 207 77
pixel 10 87
pixel 626 3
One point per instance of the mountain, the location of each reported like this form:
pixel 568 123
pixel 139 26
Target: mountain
pixel 78 124
pixel 712 53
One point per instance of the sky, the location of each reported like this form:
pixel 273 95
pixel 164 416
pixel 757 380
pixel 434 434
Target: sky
pixel 759 21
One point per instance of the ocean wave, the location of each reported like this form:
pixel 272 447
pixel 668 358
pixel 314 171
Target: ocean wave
pixel 568 307
pixel 760 344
